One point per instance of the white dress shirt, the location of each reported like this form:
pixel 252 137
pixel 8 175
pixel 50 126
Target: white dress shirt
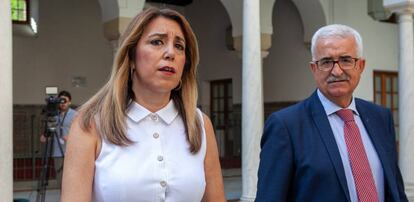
pixel 337 126
pixel 157 167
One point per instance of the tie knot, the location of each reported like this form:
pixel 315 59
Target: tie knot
pixel 346 115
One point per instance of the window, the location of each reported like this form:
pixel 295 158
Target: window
pixel 228 141
pixel 20 11
pixel 386 93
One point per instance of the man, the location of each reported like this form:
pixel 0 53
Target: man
pixel 66 115
pixel 331 146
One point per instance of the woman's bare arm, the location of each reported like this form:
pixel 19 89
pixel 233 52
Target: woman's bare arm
pixel 79 165
pixel 214 179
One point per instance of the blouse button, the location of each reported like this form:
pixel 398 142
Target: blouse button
pixel 160 158
pixel 155 135
pixel 163 183
pixel 154 117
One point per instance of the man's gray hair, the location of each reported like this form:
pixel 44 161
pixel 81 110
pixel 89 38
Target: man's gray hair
pixel 336 30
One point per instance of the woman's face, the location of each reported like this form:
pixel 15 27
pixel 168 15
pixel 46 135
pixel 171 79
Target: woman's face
pixel 159 57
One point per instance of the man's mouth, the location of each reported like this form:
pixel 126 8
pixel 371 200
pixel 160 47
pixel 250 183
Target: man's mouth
pixel 332 79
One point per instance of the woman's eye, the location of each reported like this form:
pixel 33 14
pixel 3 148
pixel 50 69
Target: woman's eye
pixel 179 46
pixel 156 42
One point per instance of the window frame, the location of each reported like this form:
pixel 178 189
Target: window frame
pixel 393 92
pixel 27 21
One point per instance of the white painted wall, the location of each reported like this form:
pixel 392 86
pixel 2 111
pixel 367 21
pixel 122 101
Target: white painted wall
pixel 286 73
pixel 70 43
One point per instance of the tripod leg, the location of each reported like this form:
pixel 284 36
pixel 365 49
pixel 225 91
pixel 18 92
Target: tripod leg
pixel 60 146
pixel 44 173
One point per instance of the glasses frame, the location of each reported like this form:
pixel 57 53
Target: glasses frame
pixel 336 62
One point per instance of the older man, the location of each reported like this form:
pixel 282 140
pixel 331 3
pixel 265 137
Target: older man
pixel 331 146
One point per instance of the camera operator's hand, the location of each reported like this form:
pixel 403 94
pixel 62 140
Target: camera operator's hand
pixel 43 138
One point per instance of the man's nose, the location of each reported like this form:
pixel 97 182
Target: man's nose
pixel 336 69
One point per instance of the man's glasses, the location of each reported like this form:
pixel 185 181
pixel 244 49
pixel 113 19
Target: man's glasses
pixel 326 64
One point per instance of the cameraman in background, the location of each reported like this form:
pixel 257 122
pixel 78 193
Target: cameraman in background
pixel 66 115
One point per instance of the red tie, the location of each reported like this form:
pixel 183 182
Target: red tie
pixel 361 170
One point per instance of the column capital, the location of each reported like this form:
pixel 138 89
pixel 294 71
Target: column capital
pixel 113 28
pixel 399 6
pixel 265 44
pixel 235 10
pixel 116 15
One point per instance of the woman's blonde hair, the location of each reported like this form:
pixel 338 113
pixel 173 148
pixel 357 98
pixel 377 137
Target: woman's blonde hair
pixel 108 106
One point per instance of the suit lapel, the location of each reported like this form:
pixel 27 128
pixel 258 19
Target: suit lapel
pixel 377 135
pixel 322 123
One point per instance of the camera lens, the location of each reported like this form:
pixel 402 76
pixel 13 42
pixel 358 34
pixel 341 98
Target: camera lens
pixel 62 101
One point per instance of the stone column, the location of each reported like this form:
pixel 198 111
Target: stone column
pixel 6 104
pixel 404 10
pixel 406 101
pixel 252 98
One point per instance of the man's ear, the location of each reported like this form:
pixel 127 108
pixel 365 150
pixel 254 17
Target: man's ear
pixel 361 64
pixel 313 67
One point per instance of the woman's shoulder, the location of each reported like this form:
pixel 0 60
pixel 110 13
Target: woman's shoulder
pixel 204 119
pixel 83 127
pixel 82 134
pixel 206 123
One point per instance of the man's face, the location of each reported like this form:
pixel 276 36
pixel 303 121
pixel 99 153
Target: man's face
pixel 64 106
pixel 337 84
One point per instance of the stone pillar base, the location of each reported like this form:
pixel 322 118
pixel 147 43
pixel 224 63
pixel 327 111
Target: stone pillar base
pixel 247 199
pixel 409 191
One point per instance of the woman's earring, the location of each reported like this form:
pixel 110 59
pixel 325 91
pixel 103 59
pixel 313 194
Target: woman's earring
pixel 132 70
pixel 180 83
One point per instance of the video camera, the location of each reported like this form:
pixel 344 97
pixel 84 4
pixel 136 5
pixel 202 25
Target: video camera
pixel 52 109
pixel 52 105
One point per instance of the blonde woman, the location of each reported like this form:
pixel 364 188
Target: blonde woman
pixel 141 137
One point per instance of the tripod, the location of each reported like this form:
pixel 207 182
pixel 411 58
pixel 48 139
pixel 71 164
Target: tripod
pixel 51 138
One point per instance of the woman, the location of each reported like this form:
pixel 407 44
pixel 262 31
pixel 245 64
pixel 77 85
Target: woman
pixel 141 137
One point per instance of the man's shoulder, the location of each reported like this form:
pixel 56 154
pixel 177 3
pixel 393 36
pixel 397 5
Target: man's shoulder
pixel 293 111
pixel 71 112
pixel 368 105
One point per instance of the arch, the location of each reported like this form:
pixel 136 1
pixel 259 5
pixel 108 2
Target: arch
pixel 116 15
pixel 109 9
pixel 313 16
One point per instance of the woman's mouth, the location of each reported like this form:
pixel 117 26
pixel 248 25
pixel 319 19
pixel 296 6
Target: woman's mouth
pixel 167 69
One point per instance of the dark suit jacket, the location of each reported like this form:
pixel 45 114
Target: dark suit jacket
pixel 300 160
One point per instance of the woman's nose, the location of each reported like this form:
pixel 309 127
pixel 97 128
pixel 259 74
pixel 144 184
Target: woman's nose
pixel 169 52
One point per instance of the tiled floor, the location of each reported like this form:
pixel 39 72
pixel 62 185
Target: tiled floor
pixel 52 195
pixel 232 188
pixel 232 183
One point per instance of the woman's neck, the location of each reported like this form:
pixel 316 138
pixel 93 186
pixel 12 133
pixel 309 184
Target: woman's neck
pixel 152 102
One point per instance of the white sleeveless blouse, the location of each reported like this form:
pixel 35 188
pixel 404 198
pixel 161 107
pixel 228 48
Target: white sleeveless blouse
pixel 157 167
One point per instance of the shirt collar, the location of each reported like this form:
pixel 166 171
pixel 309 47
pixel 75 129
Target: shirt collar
pixel 137 112
pixel 331 108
